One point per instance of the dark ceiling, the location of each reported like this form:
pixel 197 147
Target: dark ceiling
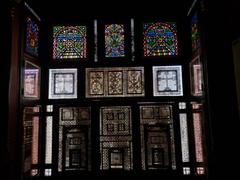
pixel 55 9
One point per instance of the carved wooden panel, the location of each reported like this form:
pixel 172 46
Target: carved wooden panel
pixel 116 138
pixel 157 137
pixel 115 82
pixel 74 138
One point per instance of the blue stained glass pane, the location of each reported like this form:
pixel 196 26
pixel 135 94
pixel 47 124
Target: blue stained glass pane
pixel 32 37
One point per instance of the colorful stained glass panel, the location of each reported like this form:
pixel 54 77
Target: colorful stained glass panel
pixel 32 37
pixel 160 39
pixel 195 36
pixel 69 42
pixel 114 40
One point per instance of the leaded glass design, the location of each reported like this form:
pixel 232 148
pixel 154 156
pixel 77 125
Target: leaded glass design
pixel 115 82
pixel 74 138
pixel 116 138
pixel 30 139
pixel 160 39
pixel 196 76
pixel 167 81
pixel 31 81
pixel 69 42
pixel 195 35
pixel 157 137
pixel 184 137
pixel 62 83
pixel 32 37
pixel 114 40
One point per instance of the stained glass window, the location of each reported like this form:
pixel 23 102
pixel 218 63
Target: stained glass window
pixel 114 40
pixel 115 82
pixel 62 83
pixel 74 138
pixel 195 32
pixel 31 80
pixel 167 81
pixel 69 42
pixel 196 76
pixel 157 137
pixel 160 39
pixel 116 138
pixel 32 37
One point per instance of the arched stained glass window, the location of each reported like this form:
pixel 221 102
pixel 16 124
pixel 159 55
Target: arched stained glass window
pixel 160 39
pixel 114 40
pixel 69 42
pixel 32 37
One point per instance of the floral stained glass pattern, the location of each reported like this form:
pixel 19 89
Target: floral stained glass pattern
pixel 69 42
pixel 114 40
pixel 160 39
pixel 32 37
